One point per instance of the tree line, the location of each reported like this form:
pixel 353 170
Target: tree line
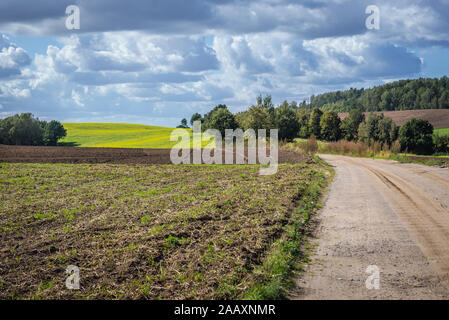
pixel 422 93
pixel 292 122
pixel 25 129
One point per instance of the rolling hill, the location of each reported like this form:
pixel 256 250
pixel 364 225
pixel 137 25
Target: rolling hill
pixel 118 135
pixel 439 118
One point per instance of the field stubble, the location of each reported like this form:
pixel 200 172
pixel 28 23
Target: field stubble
pixel 145 231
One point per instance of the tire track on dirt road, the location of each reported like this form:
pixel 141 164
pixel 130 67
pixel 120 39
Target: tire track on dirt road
pixel 386 214
pixel 426 219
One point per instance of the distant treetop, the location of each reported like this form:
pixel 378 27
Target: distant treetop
pixel 399 95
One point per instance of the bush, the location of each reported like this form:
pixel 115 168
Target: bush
pixel 441 143
pixel 416 136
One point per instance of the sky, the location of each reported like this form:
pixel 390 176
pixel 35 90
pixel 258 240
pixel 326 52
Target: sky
pixel 156 62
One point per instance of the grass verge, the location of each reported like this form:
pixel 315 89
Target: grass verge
pixel 442 161
pixel 276 276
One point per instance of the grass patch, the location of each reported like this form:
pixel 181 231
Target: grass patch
pixel 441 161
pixel 276 276
pixel 441 131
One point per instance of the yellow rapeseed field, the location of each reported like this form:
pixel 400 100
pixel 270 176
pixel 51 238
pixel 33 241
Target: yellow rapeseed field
pixel 118 135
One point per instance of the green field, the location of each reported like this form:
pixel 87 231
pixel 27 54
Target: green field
pixel 118 135
pixel 442 131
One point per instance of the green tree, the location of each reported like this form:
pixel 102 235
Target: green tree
pixel 267 103
pixel 416 136
pixel 371 132
pixel 443 101
pixel 330 126
pixel 183 124
pixel 53 131
pixel 195 117
pixel 242 119
pixel 303 121
pixel 25 130
pixel 5 126
pixel 286 121
pixel 350 125
pixel 386 131
pixel 258 117
pixel 314 123
pixel 221 119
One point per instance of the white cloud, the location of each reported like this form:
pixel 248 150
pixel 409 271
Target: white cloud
pixel 12 58
pixel 76 96
pixel 188 56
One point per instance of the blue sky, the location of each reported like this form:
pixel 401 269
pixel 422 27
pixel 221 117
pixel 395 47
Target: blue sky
pixel 155 62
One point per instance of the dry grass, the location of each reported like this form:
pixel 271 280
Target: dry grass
pixel 352 148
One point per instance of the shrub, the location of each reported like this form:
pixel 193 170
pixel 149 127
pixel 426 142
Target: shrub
pixel 441 143
pixel 416 136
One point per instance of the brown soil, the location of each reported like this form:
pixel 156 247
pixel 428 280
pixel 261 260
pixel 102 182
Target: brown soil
pixel 34 154
pixel 40 154
pixel 382 213
pixel 439 118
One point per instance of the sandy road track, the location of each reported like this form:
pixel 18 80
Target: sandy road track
pixel 382 213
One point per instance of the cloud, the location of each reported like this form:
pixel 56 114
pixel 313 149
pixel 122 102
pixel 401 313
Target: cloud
pixel 168 59
pixel 132 52
pixel 12 58
pixel 422 22
pixel 361 57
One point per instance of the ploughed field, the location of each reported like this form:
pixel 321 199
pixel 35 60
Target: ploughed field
pixel 41 154
pixel 138 230
pixel 439 118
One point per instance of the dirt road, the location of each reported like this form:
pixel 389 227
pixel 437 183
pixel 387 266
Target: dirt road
pixel 387 214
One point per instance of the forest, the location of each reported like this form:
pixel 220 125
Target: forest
pixel 430 93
